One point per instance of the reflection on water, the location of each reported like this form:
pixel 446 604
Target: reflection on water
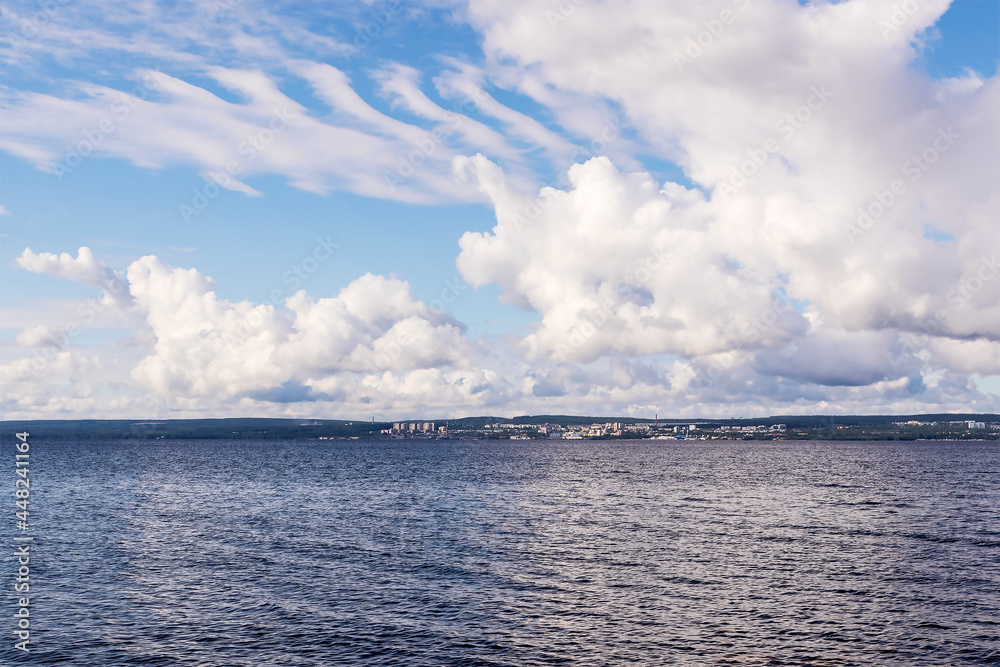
pixel 515 553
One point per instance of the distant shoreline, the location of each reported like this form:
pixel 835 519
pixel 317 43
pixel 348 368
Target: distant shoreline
pixel 913 428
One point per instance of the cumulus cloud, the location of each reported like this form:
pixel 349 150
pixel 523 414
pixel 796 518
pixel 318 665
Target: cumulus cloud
pixel 84 268
pixel 833 125
pixel 803 257
pixel 832 246
pixel 619 265
pixel 372 346
pixel 835 358
pixel 210 346
pixel 40 336
pixel 374 349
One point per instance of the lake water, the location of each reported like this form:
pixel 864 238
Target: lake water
pixel 512 553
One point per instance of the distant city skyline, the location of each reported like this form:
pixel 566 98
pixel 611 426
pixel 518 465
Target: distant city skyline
pixel 467 207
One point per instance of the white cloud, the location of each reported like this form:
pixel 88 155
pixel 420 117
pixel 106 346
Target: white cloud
pixel 173 122
pixel 84 268
pixel 834 358
pixel 463 84
pixel 619 266
pixel 796 275
pixel 792 136
pixel 210 346
pixel 38 336
pixel 400 84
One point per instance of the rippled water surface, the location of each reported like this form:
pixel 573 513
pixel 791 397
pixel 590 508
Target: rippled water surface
pixel 514 553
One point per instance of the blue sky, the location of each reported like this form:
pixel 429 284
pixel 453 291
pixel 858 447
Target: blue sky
pixel 553 80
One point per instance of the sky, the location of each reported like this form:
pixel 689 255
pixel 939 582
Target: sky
pixel 392 210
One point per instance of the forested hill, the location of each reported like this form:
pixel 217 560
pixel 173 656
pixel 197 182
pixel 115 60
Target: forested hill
pixel 290 429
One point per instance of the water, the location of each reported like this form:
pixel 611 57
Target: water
pixel 513 553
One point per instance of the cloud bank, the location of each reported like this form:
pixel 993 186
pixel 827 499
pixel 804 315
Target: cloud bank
pixel 832 246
